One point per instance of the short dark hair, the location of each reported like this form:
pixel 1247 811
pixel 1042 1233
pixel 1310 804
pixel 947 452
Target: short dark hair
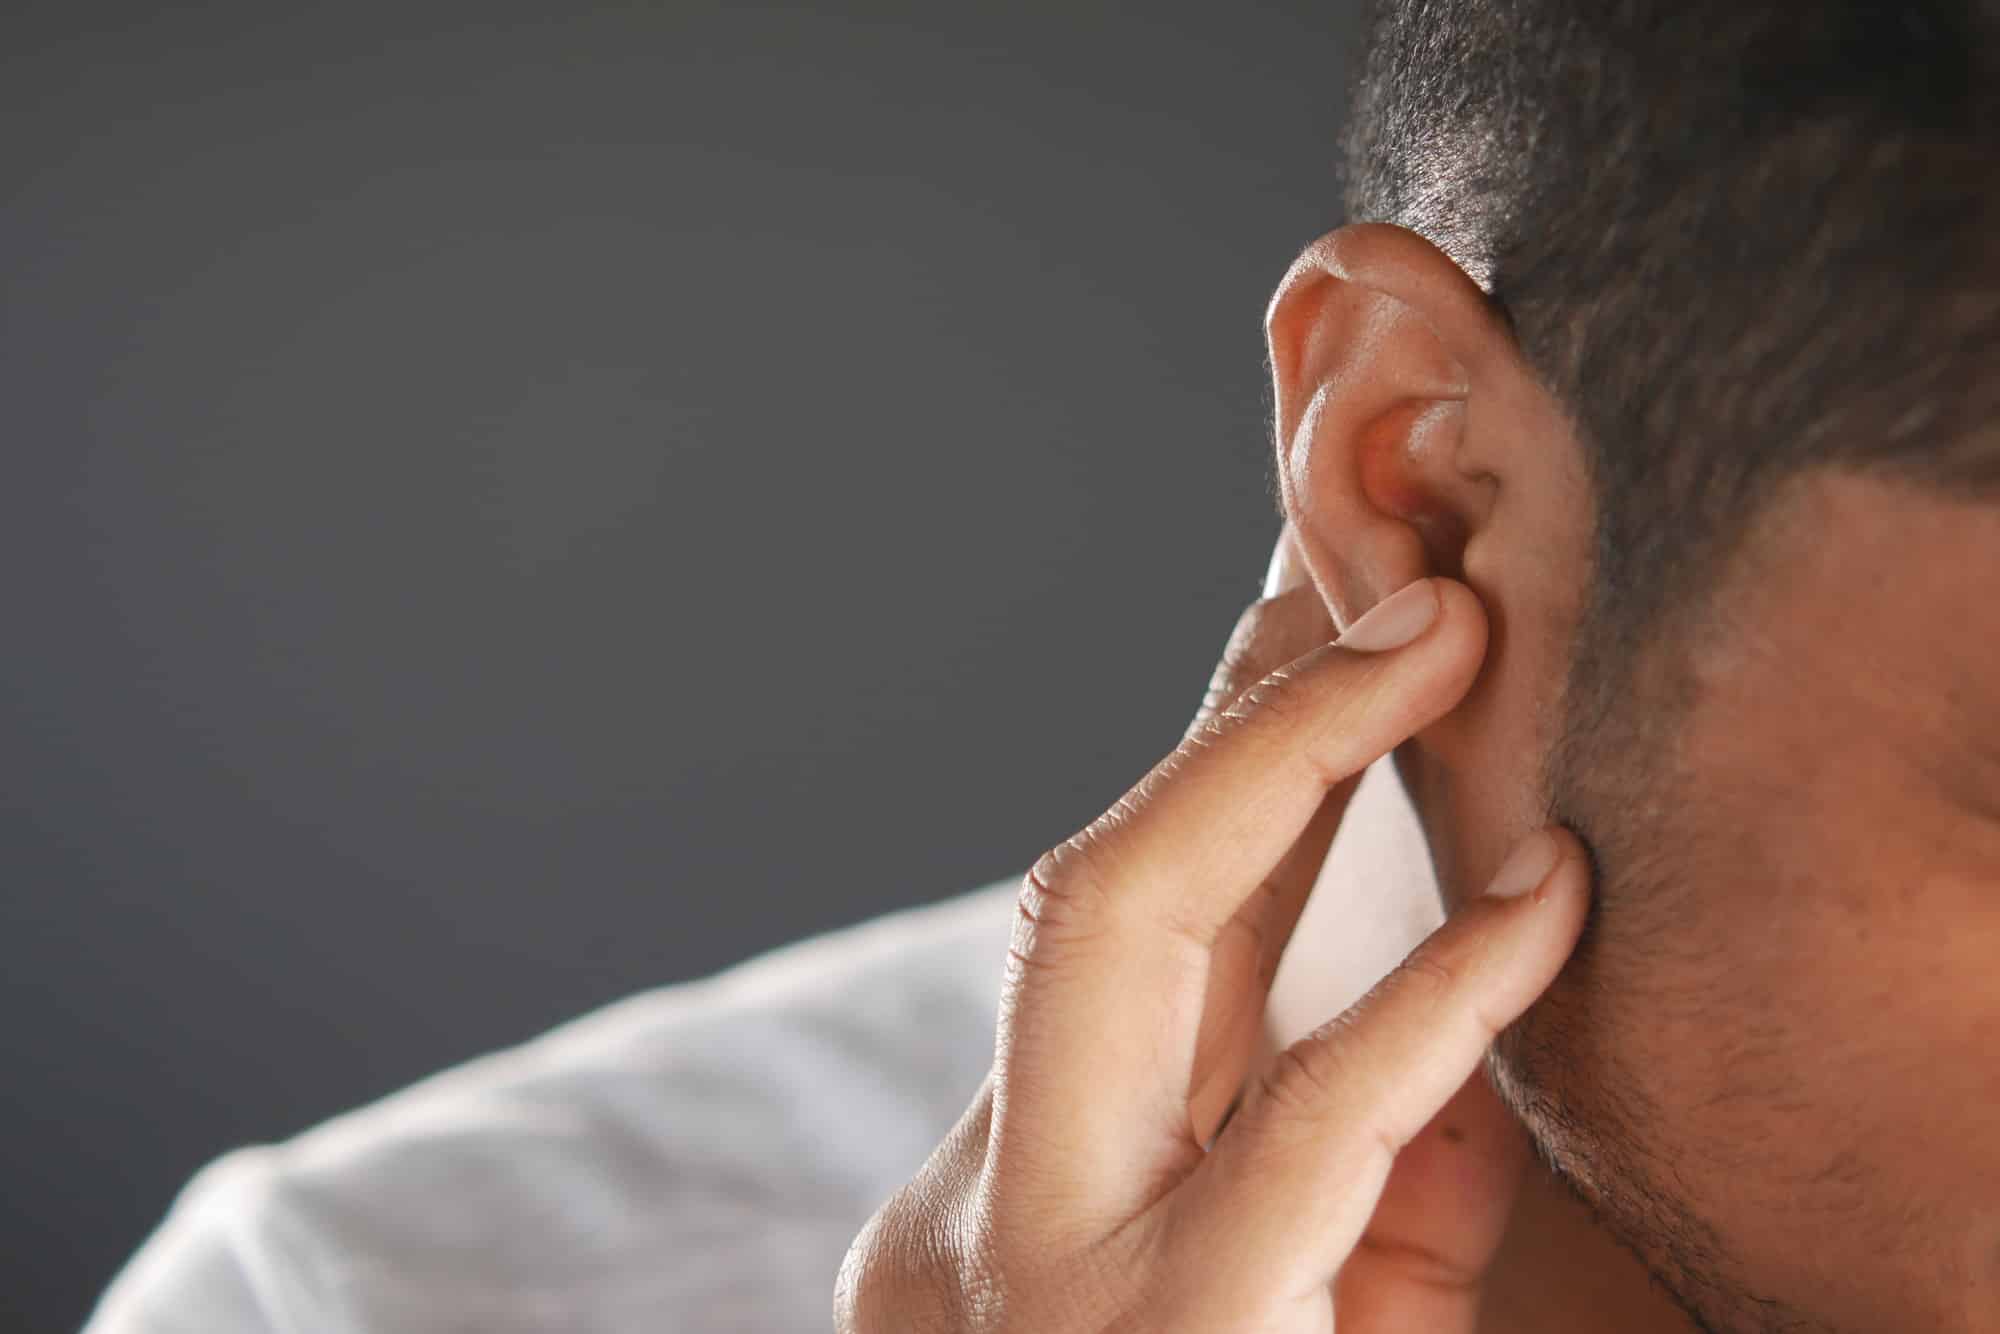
pixel 1737 239
pixel 1741 241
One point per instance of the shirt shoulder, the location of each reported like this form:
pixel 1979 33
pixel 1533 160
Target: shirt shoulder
pixel 702 1152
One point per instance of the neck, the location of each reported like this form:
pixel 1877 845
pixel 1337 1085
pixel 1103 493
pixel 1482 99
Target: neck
pixel 1376 898
pixel 1558 1269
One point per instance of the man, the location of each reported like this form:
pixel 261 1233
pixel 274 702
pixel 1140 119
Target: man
pixel 1655 372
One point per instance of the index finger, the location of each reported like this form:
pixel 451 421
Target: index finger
pixel 1287 622
pixel 1103 998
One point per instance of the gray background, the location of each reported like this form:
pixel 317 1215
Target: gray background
pixel 507 506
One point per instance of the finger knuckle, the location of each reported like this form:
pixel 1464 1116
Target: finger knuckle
pixel 950 1252
pixel 1308 702
pixel 1430 977
pixel 1283 694
pixel 1237 668
pixel 1069 887
pixel 931 1259
pixel 894 1277
pixel 1302 1077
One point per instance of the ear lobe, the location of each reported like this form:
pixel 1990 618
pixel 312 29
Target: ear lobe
pixel 1373 379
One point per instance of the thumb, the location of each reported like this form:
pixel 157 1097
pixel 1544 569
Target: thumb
pixel 1439 1222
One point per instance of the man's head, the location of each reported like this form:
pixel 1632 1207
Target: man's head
pixel 1689 362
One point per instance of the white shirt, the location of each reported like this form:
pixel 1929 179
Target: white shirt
pixel 694 1158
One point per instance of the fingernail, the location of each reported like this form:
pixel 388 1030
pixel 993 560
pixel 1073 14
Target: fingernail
pixel 1526 866
pixel 1395 620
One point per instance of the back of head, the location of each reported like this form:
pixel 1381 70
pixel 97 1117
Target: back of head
pixel 1747 248
pixel 1737 239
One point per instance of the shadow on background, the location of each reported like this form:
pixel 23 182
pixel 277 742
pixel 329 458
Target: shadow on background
pixel 515 506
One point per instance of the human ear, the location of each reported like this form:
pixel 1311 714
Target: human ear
pixel 1402 412
pixel 1414 439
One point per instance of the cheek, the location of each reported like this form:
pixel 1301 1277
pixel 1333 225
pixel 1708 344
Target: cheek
pixel 1925 1054
pixel 1731 1073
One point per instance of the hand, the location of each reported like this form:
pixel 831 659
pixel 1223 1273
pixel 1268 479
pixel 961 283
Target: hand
pixel 1368 1169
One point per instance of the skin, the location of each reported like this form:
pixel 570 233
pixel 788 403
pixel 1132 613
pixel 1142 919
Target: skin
pixel 1771 1068
pixel 1762 1091
pixel 1093 1184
